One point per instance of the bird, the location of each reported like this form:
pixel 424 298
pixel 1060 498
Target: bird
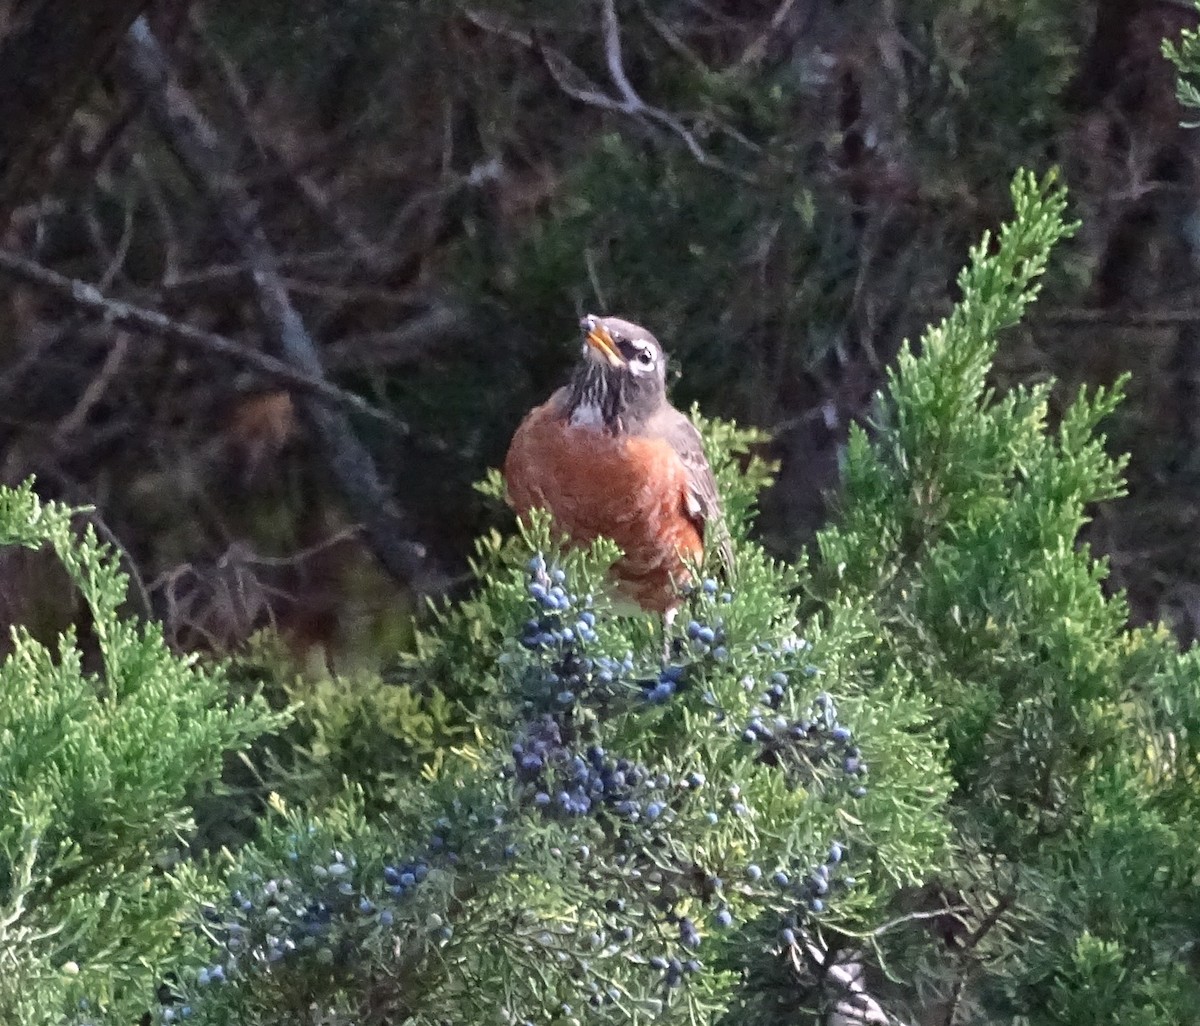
pixel 608 455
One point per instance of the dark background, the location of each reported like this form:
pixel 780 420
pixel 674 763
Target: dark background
pixel 782 191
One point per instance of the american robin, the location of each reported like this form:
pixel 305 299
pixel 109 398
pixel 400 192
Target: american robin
pixel 608 455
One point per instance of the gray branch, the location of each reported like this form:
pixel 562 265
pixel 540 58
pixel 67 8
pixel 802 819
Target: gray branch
pixel 143 321
pixel 147 71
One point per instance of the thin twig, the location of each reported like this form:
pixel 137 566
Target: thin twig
pixel 1003 904
pixel 495 27
pixel 612 54
pixel 88 510
pixel 150 322
pixel 405 343
pixel 364 248
pixel 121 253
pixel 572 81
pixel 589 261
pixel 954 911
pixel 633 102
pixel 672 38
pixel 233 275
pixel 96 389
pixel 1108 316
pixel 755 50
pixel 162 211
pixel 956 996
pixel 1150 317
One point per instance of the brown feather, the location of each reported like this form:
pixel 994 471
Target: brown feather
pixel 685 439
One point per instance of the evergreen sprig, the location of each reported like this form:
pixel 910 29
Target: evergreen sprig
pixel 958 540
pixel 98 759
pixel 1185 55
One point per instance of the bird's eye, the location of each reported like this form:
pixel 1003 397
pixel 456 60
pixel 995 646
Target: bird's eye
pixel 639 356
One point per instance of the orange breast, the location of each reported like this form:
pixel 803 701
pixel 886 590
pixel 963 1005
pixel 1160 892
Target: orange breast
pixel 632 490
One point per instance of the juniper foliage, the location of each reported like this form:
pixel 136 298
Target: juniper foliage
pixel 1185 55
pixel 1070 737
pixel 933 726
pixel 624 841
pixel 932 773
pixel 101 747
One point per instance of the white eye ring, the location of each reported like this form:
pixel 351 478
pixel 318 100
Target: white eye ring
pixel 644 358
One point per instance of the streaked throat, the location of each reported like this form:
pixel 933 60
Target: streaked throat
pixel 596 399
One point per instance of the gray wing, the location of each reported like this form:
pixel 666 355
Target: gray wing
pixel 703 502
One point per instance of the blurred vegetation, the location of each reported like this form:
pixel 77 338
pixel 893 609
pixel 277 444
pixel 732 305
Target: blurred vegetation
pixel 106 746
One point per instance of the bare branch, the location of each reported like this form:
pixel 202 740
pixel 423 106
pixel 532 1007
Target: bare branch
pixel 755 50
pixel 612 54
pixel 572 81
pixel 950 911
pixel 147 70
pixel 77 418
pixel 1116 317
pixel 150 322
pixel 403 344
pixel 364 248
pixel 671 38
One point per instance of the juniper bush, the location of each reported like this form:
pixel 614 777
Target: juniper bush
pixel 935 760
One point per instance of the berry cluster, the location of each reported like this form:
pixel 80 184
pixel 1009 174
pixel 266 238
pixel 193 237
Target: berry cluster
pixel 664 685
pixel 280 922
pixel 558 771
pixel 563 618
pixel 708 638
pixel 805 745
pixel 673 969
pixel 562 782
pixel 814 887
pixel 563 631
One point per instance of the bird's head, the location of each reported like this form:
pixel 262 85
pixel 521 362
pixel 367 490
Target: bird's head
pixel 621 378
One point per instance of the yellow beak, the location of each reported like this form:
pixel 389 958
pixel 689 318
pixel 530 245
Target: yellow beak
pixel 598 337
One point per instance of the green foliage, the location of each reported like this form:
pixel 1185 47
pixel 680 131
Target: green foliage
pixel 973 508
pixel 987 104
pixel 844 169
pixel 685 256
pixel 749 263
pixel 944 723
pixel 378 730
pixel 958 533
pixel 1185 55
pixel 101 744
pixel 527 906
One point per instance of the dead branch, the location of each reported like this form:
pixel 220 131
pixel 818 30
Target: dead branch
pixel 406 343
pixel 1116 317
pixel 195 144
pixel 755 50
pixel 629 103
pixel 365 249
pixel 150 322
pixel 95 391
